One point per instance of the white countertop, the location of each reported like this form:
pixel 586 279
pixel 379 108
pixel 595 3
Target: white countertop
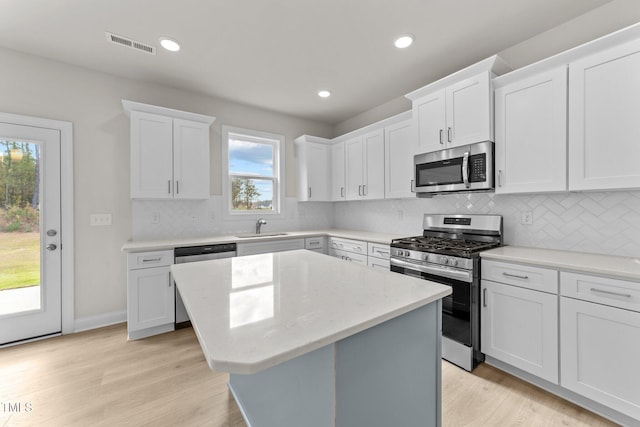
pixel 154 245
pixel 254 312
pixel 604 265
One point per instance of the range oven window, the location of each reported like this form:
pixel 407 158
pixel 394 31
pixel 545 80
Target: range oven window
pixel 439 173
pixel 456 308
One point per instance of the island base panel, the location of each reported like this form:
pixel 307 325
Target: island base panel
pixel 389 374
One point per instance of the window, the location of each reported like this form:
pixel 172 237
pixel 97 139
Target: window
pixel 253 172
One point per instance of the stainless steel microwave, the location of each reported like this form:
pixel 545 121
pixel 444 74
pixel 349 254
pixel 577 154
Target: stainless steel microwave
pixel 459 169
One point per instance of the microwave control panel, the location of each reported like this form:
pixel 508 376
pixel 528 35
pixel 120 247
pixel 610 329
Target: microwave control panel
pixel 478 167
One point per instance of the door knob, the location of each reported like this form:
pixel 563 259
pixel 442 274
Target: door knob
pixel 51 247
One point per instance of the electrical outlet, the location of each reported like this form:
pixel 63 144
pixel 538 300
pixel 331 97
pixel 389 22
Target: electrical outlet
pixel 100 220
pixel 155 218
pixel 527 218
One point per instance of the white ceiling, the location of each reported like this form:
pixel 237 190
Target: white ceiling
pixel 276 54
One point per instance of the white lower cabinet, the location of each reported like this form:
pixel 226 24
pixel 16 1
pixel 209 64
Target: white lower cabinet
pixel 601 343
pixel 150 294
pixel 520 327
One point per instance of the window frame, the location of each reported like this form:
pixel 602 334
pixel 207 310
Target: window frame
pixel 278 143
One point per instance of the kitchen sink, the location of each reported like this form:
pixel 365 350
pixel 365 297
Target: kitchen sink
pixel 244 236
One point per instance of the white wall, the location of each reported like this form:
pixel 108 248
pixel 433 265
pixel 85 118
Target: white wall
pixel 91 100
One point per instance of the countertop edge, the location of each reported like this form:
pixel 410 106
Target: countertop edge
pixel 166 244
pixel 255 367
pixel 582 262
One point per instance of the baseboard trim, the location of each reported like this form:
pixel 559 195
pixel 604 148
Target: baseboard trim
pixel 99 321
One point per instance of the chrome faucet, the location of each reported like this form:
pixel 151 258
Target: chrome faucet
pixel 259 224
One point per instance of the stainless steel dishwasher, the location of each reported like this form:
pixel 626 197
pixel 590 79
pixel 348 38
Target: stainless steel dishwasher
pixel 195 254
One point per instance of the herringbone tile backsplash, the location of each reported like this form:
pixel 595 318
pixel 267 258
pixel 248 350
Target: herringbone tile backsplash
pixel 599 222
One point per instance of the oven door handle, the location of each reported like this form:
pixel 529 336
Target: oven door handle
pixel 465 169
pixel 461 275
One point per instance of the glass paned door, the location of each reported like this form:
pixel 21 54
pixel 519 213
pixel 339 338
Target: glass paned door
pixel 30 261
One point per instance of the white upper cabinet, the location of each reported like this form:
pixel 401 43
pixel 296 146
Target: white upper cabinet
pixel 190 159
pixel 364 166
pixel 169 153
pixel 604 129
pixel 457 115
pixel 398 160
pixel 531 133
pixel 429 122
pixel 313 169
pixel 469 111
pixel 338 189
pixel 457 109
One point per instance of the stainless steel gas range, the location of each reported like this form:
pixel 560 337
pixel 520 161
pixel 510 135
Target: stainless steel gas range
pixel 448 252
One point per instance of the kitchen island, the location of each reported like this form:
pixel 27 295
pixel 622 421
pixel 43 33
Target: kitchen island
pixel 312 340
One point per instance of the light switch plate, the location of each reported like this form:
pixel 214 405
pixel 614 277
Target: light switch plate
pixel 100 220
pixel 527 218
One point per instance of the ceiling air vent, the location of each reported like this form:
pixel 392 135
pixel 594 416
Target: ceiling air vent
pixel 125 41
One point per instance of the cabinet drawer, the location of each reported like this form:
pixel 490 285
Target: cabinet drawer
pixel 380 263
pixel 378 250
pixel 348 256
pixel 314 242
pixel 536 278
pixel 139 260
pixel 603 290
pixel 354 246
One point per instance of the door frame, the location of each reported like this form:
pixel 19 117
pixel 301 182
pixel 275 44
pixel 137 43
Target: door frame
pixel 66 208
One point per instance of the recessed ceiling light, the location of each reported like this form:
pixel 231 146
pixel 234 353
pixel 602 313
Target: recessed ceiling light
pixel 324 94
pixel 169 44
pixel 403 41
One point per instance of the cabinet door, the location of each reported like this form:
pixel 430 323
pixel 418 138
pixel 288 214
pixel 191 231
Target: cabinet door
pixel 150 298
pixel 338 190
pixel 151 156
pixel 373 185
pixel 520 327
pixel 531 134
pixel 317 159
pixel 354 167
pixel 190 159
pixel 429 123
pixel 469 111
pixel 600 354
pixel 604 130
pixel 398 160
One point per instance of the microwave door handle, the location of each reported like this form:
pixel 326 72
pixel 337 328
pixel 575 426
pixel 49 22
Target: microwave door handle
pixel 465 169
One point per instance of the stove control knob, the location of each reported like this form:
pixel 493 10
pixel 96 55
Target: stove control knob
pixel 407 253
pixel 453 262
pixel 444 260
pixel 425 257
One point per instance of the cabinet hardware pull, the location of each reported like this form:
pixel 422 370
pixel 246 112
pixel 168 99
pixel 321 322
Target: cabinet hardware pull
pixel 484 297
pixel 341 191
pixel 516 276
pixel 618 294
pixel 151 259
pixel 169 186
pixel 413 186
pixel 359 248
pixel 359 190
pixel 309 192
pixel 177 187
pixel 382 252
pixel 441 140
pixel 499 178
pixel 364 190
pixel 449 134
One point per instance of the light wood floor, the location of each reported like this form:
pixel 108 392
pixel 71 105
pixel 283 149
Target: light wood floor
pixel 97 378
